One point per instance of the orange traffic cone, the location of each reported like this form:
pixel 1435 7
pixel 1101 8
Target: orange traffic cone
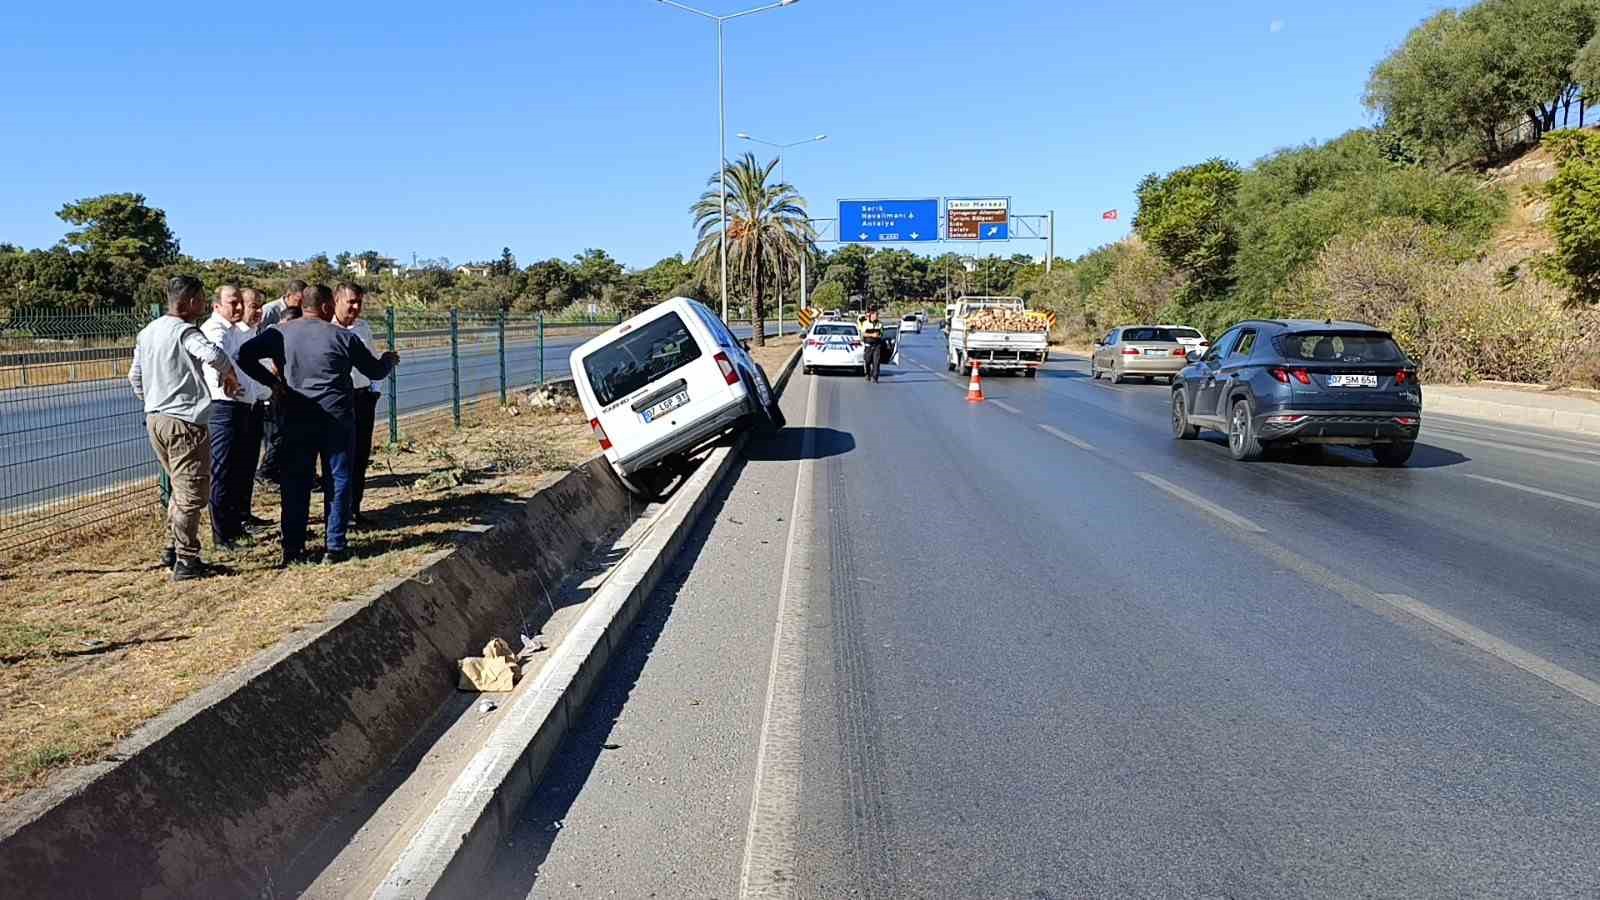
pixel 975 386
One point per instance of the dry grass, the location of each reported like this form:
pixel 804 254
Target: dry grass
pixel 50 374
pixel 772 357
pixel 96 640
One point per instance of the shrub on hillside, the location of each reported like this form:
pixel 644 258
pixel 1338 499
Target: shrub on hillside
pixel 828 295
pixel 1574 195
pixel 1293 203
pixel 1456 321
pixel 1137 288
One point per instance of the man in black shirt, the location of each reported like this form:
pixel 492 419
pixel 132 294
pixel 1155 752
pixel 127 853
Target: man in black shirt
pixel 314 358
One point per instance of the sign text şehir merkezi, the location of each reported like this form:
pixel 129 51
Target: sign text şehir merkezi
pixel 888 221
pixel 978 219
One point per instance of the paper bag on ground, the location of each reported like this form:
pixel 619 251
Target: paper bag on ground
pixel 493 672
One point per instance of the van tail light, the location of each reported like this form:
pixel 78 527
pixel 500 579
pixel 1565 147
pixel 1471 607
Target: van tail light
pixel 600 434
pixel 1283 375
pixel 1130 352
pixel 729 373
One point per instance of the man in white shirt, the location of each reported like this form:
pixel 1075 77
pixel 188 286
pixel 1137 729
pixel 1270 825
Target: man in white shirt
pixel 249 328
pixel 289 306
pixel 231 470
pixel 348 301
pixel 167 376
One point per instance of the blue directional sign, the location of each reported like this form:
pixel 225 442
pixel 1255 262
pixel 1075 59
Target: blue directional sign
pixel 888 221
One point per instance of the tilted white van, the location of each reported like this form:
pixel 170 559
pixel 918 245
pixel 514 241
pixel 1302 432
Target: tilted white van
pixel 664 383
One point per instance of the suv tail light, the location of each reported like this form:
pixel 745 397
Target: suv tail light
pixel 1283 375
pixel 1405 376
pixel 729 373
pixel 1286 420
pixel 1406 421
pixel 600 434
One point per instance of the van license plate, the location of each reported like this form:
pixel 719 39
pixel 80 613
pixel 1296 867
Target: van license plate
pixel 1356 381
pixel 681 398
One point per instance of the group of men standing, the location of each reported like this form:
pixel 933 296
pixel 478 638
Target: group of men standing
pixel 300 374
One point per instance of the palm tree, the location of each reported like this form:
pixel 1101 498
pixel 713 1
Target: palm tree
pixel 767 227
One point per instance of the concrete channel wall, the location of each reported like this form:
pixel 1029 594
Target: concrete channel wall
pixel 207 799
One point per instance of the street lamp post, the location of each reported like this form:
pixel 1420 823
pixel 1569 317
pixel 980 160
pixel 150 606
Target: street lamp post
pixel 783 148
pixel 722 127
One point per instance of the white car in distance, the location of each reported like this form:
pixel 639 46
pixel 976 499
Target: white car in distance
pixel 911 324
pixel 833 345
pixel 1190 338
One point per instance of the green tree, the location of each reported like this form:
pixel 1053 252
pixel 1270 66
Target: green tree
pixel 505 266
pixel 767 228
pixel 342 261
pixel 1586 68
pixel 828 295
pixel 1462 79
pixel 550 285
pixel 593 271
pixel 319 270
pixel 1187 219
pixel 671 277
pixel 123 226
pixel 1574 195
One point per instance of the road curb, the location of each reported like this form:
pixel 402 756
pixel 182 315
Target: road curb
pixel 449 855
pixel 1512 414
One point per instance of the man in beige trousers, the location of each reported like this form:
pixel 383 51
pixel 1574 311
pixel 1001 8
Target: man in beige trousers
pixel 166 375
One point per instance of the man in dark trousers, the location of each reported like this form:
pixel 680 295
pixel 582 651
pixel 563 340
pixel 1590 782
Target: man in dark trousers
pixel 348 298
pixel 314 358
pixel 284 309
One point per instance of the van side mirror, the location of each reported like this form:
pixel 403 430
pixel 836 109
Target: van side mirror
pixel 1193 356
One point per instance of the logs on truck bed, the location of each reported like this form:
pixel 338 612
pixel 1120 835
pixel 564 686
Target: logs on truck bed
pixel 1013 321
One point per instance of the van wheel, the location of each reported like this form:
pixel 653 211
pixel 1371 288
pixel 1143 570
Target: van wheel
pixel 647 484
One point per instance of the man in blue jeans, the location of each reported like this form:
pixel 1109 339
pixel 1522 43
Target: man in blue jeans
pixel 315 358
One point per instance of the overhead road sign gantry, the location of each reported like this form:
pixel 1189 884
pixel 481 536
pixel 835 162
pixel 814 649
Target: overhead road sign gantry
pixel 888 221
pixel 978 218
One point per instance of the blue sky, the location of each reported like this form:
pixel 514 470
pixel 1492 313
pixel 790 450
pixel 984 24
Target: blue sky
pixel 282 130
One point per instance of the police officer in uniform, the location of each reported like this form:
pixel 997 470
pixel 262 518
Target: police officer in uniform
pixel 872 340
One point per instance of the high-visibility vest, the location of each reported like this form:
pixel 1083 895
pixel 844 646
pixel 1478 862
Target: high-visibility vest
pixel 872 330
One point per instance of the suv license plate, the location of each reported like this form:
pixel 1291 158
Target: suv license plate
pixel 668 405
pixel 1357 381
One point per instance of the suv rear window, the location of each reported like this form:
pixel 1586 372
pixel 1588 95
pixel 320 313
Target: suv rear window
pixel 850 330
pixel 1342 347
pixel 1152 335
pixel 634 360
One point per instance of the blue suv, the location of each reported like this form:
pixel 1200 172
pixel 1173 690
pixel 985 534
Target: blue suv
pixel 1269 383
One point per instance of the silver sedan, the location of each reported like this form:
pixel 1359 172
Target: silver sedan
pixel 1147 351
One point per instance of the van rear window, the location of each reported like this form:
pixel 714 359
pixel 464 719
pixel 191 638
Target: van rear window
pixel 1332 346
pixel 639 357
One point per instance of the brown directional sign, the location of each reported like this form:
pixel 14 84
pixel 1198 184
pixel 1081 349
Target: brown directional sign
pixel 978 219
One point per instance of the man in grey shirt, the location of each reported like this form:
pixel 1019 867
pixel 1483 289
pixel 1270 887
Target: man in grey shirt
pixel 166 375
pixel 313 359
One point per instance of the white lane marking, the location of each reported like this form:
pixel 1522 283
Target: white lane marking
pixel 1229 516
pixel 1007 407
pixel 1546 454
pixel 1076 442
pixel 772 835
pixel 1566 498
pixel 1567 680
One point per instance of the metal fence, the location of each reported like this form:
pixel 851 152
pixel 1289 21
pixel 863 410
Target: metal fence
pixel 73 450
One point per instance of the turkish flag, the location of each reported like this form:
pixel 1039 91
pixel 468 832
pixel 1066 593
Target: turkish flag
pixel 1109 215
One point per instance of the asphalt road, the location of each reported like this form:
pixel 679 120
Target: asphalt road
pixel 58 442
pixel 1036 648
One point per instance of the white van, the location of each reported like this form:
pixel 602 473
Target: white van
pixel 664 383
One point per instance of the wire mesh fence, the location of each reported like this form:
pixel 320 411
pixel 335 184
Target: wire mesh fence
pixel 73 450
